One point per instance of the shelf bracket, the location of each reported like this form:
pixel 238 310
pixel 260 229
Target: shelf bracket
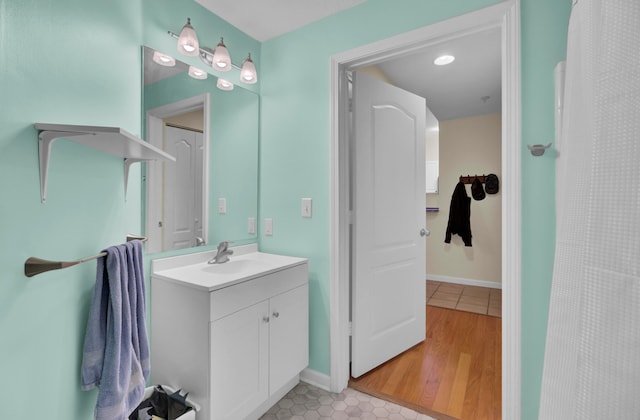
pixel 127 164
pixel 45 141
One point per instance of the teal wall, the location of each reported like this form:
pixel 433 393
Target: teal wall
pixel 73 62
pixel 295 156
pixel 78 62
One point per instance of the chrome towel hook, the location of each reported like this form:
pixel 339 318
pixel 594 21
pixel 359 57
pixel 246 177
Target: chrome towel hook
pixel 538 149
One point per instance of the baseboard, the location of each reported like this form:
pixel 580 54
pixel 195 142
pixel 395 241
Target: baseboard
pixel 315 378
pixel 466 282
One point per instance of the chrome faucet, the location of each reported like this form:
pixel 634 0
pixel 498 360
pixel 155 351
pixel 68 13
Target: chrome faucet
pixel 222 256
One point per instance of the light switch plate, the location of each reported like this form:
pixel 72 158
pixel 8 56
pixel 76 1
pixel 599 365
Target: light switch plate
pixel 306 207
pixel 268 227
pixel 251 226
pixel 222 205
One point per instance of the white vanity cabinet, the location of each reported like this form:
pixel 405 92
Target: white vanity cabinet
pixel 238 349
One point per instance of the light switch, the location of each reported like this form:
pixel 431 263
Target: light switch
pixel 306 207
pixel 222 205
pixel 251 226
pixel 268 227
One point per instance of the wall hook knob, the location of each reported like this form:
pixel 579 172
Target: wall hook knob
pixel 538 149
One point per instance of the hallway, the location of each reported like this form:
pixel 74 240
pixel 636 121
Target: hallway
pixel 454 374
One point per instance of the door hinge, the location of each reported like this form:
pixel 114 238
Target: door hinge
pixel 350 328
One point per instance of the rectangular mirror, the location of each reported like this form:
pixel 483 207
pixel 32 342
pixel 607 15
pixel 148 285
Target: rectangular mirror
pixel 209 194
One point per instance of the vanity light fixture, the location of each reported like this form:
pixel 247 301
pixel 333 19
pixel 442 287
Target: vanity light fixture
pixel 224 84
pixel 443 60
pixel 248 72
pixel 217 58
pixel 196 73
pixel 188 40
pixel 163 59
pixel 221 59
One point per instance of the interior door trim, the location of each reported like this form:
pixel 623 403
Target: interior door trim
pixel 506 16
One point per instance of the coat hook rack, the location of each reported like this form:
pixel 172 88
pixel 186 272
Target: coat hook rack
pixel 538 149
pixel 470 178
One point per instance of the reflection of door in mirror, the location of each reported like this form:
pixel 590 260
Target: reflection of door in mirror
pixel 179 189
pixel 182 201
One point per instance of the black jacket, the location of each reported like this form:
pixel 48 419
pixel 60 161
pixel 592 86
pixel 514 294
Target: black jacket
pixel 459 215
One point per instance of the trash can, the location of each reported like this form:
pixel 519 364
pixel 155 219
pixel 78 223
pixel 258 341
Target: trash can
pixel 189 415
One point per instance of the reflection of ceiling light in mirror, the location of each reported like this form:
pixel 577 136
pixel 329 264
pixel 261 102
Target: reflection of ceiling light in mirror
pixel 196 73
pixel 224 84
pixel 443 60
pixel 163 59
pixel 248 72
pixel 188 40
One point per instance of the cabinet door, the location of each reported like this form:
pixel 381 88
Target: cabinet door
pixel 289 335
pixel 239 362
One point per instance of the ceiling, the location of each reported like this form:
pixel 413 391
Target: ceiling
pixel 263 20
pixel 471 85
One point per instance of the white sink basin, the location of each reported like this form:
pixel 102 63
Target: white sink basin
pixel 236 266
pixel 194 270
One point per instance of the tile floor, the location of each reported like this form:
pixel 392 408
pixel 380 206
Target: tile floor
pixel 479 300
pixel 306 402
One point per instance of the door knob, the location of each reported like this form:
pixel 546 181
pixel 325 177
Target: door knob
pixel 424 232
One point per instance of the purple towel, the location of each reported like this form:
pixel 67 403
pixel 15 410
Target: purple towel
pixel 116 349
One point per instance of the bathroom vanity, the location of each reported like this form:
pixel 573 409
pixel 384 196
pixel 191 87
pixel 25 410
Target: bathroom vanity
pixel 233 335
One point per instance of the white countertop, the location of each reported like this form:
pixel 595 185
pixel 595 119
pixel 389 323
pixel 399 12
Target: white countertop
pixel 246 263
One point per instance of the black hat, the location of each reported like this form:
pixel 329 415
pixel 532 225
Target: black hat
pixel 477 192
pixel 491 184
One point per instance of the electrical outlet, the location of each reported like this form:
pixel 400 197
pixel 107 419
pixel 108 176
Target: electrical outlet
pixel 268 227
pixel 251 226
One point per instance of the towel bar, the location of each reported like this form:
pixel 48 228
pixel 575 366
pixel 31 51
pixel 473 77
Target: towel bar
pixel 33 265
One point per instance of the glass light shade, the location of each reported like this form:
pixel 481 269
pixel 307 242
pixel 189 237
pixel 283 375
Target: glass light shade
pixel 163 59
pixel 248 73
pixel 224 84
pixel 221 58
pixel 188 40
pixel 196 73
pixel 443 60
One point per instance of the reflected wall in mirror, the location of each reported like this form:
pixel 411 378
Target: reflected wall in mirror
pixel 209 194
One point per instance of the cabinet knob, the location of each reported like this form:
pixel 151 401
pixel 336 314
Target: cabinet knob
pixel 276 314
pixel 265 319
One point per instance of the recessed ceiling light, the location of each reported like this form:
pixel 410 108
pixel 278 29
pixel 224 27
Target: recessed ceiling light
pixel 443 60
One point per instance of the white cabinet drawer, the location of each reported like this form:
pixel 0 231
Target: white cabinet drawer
pixel 231 299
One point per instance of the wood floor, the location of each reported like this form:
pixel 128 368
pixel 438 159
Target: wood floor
pixel 454 374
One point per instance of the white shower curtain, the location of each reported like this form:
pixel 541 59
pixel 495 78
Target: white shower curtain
pixel 592 357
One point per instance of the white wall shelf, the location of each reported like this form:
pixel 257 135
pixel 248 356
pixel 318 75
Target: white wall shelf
pixel 111 140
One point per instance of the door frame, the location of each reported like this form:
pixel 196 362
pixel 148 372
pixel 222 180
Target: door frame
pixel 506 16
pixel 154 185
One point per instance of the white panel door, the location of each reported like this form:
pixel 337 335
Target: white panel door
pixel 182 188
pixel 389 249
